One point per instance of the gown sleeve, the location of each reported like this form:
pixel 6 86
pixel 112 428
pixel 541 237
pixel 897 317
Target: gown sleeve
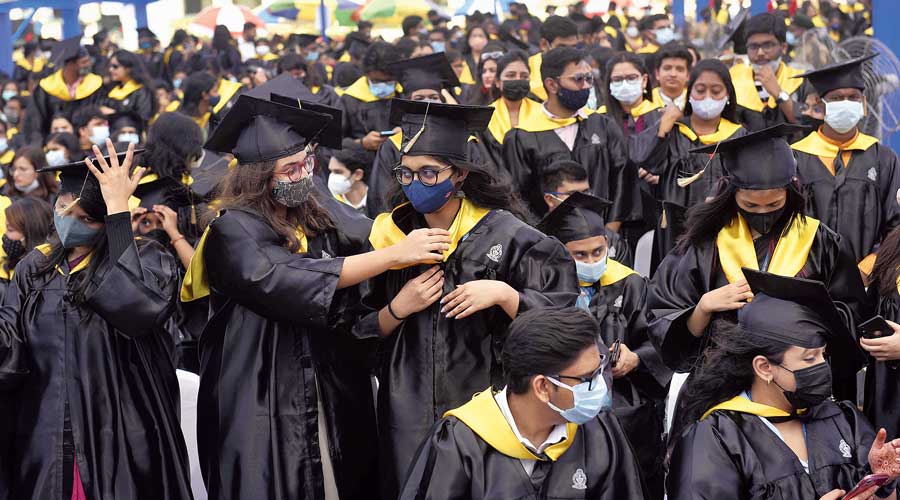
pixel 519 162
pixel 441 470
pixel 624 189
pixel 701 467
pixel 136 292
pixel 890 209
pixel 265 277
pixel 13 357
pixel 545 276
pixel 638 339
pixel 380 179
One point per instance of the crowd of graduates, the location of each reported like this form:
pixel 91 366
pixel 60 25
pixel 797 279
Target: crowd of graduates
pixel 463 264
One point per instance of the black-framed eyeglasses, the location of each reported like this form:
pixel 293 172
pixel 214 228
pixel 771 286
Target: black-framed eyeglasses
pixel 428 176
pixel 767 46
pixel 581 78
pixel 591 379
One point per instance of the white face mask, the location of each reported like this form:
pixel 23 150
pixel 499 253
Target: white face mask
pixel 262 50
pixel 632 32
pixel 842 116
pixel 708 108
pixel 339 184
pixel 29 187
pixel 772 64
pixel 55 157
pixel 100 134
pixel 129 137
pixel 4 144
pixel 627 93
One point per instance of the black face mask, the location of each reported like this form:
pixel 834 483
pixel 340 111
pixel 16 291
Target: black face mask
pixel 158 235
pixel 14 249
pixel 813 386
pixel 515 90
pixel 762 223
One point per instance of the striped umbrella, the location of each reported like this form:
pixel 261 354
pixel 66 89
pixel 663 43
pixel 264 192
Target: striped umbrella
pixel 232 16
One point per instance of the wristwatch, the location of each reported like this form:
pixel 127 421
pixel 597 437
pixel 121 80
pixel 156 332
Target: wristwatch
pixel 782 97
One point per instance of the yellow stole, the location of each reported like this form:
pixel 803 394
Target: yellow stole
pixel 465 77
pixel 360 90
pixel 744 405
pixel 385 232
pixel 736 250
pixel 643 108
pixel 196 284
pixel 120 92
pixel 28 66
pixel 500 123
pixel 537 83
pixel 227 89
pixel 725 130
pixel 818 145
pixel 483 416
pixel 56 86
pixel 656 93
pixel 745 85
pixel 615 272
pixel 45 249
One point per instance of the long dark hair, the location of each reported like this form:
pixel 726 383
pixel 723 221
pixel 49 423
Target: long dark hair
pixel 725 370
pixel 246 186
pixel 193 88
pixel 887 265
pixel 718 67
pixel 33 217
pixel 172 141
pixel 136 69
pixel 487 190
pixel 613 108
pixel 47 184
pixel 222 37
pixel 704 220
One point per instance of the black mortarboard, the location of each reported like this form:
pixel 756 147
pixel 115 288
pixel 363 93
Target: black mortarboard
pixel 66 50
pixel 579 217
pixel 427 72
pixel 302 39
pixel 734 32
pixel 75 178
pixel 840 75
pixel 438 129
pixel 356 45
pixel 759 160
pixel 802 21
pixel 289 91
pixel 207 176
pixel 258 130
pixel 799 312
pixel 123 119
pixel 162 191
pixel 146 33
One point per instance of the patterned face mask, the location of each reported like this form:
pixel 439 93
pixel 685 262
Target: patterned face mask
pixel 292 194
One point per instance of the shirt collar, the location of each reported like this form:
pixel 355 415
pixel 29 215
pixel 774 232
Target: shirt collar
pixel 580 114
pixel 557 435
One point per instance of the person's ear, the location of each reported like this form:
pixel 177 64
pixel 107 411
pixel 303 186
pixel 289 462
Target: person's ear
pixel 541 387
pixel 551 85
pixel 357 175
pixel 544 45
pixel 551 203
pixel 763 369
pixel 461 175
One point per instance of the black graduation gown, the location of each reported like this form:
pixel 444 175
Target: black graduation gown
pixel 51 97
pixel 277 346
pixel 599 146
pixel 860 201
pixel 454 462
pixel 620 307
pixel 363 112
pixel 734 455
pixel 882 396
pixel 682 278
pixel 112 361
pixel 752 112
pixel 381 178
pixel 431 364
pixel 140 102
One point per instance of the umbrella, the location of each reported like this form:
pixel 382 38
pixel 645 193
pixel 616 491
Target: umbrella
pixel 393 11
pixel 232 16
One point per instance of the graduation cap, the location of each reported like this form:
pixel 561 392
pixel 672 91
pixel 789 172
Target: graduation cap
pixel 75 178
pixel 431 128
pixel 799 312
pixel 840 75
pixel 258 130
pixel 286 90
pixel 735 32
pixel 66 50
pixel 427 72
pixel 162 191
pixel 759 160
pixel 122 119
pixel 579 217
pixel 355 44
pixel 302 40
pixel 207 176
pixel 146 33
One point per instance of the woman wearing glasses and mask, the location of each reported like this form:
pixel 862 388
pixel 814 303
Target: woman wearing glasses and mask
pixel 285 395
pixel 442 325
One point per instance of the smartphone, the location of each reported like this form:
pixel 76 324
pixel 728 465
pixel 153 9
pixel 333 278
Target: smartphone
pixel 615 352
pixel 866 483
pixel 387 133
pixel 876 327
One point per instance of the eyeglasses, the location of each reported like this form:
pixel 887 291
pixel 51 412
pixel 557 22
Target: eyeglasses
pixel 427 175
pixel 765 47
pixel 591 379
pixel 297 170
pixel 492 55
pixel 580 79
pixel 563 195
pixel 114 66
pixel 837 98
pixel 625 78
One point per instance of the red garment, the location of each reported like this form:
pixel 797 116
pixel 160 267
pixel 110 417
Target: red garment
pixel 77 487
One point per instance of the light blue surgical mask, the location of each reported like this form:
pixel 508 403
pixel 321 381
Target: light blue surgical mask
pixel 588 402
pixel 591 272
pixel 9 94
pixel 382 90
pixel 129 137
pixel 55 157
pixel 74 233
pixel 791 39
pixel 176 83
pixel 99 134
pixel 664 35
pixel 438 46
pixel 312 56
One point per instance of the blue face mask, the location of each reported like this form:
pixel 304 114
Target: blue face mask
pixel 588 402
pixel 664 35
pixel 176 83
pixel 381 89
pixel 438 46
pixel 590 273
pixel 429 199
pixel 9 94
pixel 312 57
pixel 573 99
pixel 791 39
pixel 213 100
pixel 74 233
